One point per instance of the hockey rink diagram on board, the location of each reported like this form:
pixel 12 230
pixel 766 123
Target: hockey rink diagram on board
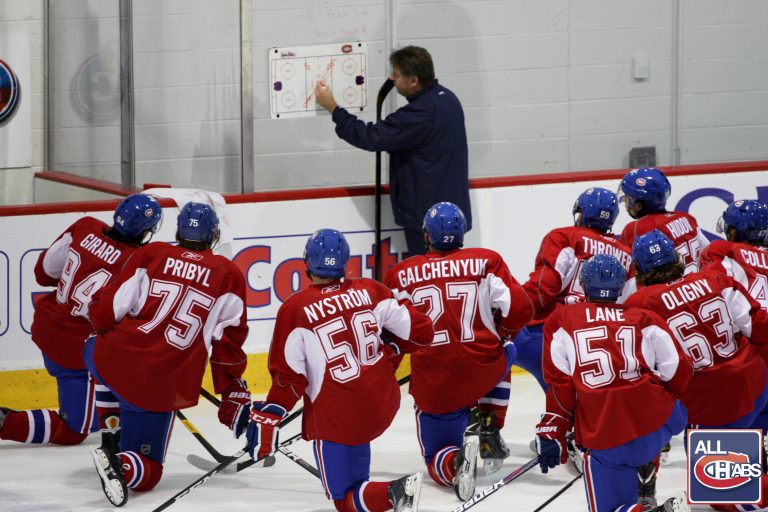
pixel 295 71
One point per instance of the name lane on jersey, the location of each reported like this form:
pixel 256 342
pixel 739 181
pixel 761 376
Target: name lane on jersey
pixel 187 270
pixel 442 268
pixel 350 299
pixel 605 315
pixel 100 248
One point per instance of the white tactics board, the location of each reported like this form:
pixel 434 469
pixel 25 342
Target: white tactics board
pixel 293 73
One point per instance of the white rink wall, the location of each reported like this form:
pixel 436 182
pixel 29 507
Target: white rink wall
pixel 269 237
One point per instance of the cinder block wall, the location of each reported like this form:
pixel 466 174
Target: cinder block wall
pixel 547 86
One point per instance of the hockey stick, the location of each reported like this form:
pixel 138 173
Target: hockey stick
pixel 383 91
pixel 282 448
pixel 558 493
pixel 480 496
pixel 204 464
pixel 250 462
pixel 268 461
pixel 229 460
pixel 203 441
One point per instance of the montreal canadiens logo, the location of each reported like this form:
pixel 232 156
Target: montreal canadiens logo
pixel 10 92
pixel 640 182
pixel 725 471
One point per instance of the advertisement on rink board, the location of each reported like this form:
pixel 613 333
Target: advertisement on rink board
pixel 267 241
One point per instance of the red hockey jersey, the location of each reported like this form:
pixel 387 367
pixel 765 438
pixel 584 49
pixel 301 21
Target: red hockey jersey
pixel 78 263
pixel 613 369
pixel 327 348
pixel 746 263
pixel 460 290
pixel 680 227
pixel 555 279
pixel 712 318
pixel 158 319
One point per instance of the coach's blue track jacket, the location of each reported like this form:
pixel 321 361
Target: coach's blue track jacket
pixel 427 143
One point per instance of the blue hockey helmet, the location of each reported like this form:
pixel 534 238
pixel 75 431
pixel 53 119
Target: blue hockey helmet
pixel 445 225
pixel 652 250
pixel 326 253
pixel 748 217
pixel 647 185
pixel 198 222
pixel 602 277
pixel 598 208
pixel 137 214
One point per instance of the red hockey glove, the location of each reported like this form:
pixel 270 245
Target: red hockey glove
pixel 264 428
pixel 235 407
pixel 550 440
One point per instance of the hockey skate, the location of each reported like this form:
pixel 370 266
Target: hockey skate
pixel 111 474
pixel 466 469
pixel 646 486
pixel 110 435
pixel 674 505
pixel 404 493
pixel 493 449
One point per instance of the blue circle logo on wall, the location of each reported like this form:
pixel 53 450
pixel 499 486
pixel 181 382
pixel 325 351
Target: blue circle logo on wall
pixel 10 92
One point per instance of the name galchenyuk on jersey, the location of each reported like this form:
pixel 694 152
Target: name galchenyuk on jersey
pixel 442 268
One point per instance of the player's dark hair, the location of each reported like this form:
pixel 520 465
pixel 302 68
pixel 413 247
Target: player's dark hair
pixel 119 237
pixel 662 274
pixel 413 61
pixel 732 235
pixel 193 245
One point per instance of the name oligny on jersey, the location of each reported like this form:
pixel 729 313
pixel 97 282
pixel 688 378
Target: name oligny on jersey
pixel 328 306
pixel 444 268
pixel 688 292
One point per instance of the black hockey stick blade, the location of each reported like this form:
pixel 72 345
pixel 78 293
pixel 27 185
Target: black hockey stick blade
pixel 206 464
pixel 203 441
pixel 558 493
pixel 222 466
pixel 480 496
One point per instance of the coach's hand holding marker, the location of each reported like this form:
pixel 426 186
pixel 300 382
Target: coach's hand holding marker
pixel 324 97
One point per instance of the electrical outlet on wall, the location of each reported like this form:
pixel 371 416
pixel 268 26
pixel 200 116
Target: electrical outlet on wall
pixel 641 68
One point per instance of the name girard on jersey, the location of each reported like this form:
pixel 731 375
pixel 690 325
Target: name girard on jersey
pixel 350 299
pixel 100 248
pixel 442 268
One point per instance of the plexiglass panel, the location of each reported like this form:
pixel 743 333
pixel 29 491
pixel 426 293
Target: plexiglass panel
pixel 84 80
pixel 187 93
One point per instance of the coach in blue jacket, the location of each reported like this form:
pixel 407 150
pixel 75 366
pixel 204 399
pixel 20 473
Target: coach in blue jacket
pixel 426 141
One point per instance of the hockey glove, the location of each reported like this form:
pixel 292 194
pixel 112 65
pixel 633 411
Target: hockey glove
pixel 235 407
pixel 263 429
pixel 550 440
